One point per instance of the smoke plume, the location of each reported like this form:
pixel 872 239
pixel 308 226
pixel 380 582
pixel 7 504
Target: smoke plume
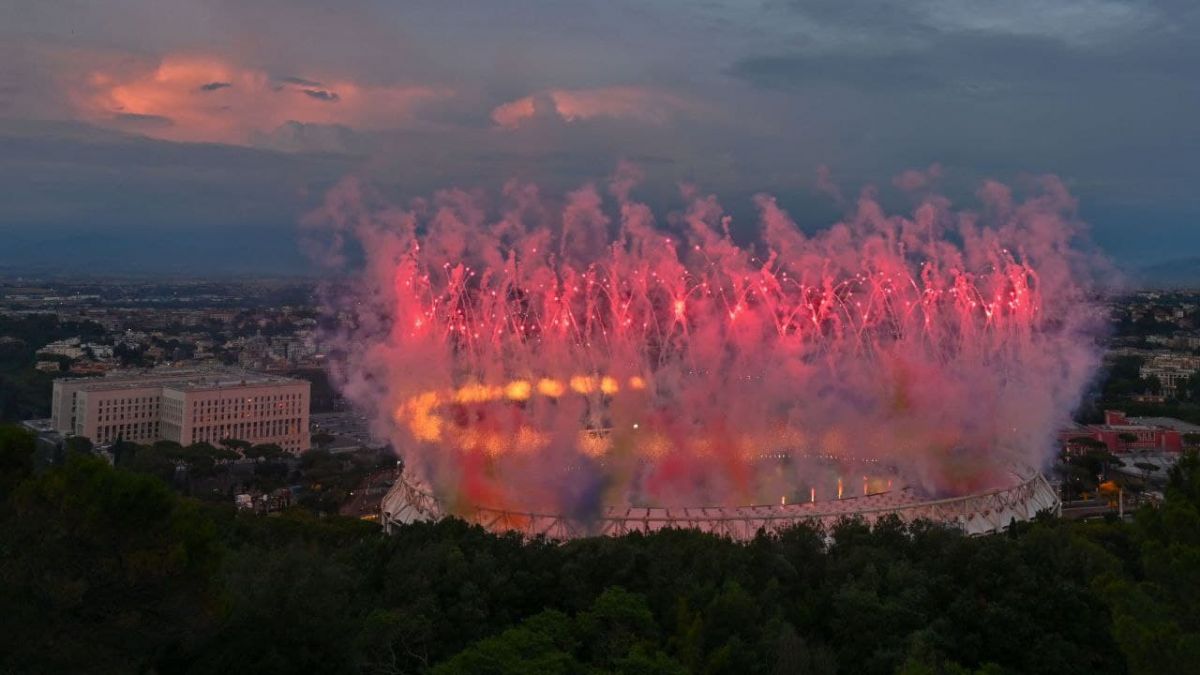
pixel 569 354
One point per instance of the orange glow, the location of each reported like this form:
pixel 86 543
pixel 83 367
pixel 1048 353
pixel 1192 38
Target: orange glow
pixel 476 393
pixel 518 390
pixel 609 386
pixel 550 388
pixel 419 414
pixel 195 97
pixel 593 445
pixel 422 422
pixel 581 384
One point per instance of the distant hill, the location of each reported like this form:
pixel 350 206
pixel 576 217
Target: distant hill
pixel 1176 273
pixel 200 252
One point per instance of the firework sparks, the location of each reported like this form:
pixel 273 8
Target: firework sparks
pixel 525 364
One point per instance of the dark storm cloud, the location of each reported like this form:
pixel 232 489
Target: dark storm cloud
pixel 214 86
pixel 953 62
pixel 322 95
pixel 299 81
pixel 137 119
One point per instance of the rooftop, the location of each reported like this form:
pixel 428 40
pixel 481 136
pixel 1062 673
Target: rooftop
pixel 182 379
pixel 1168 422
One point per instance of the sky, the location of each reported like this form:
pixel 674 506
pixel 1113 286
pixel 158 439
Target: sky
pixel 182 136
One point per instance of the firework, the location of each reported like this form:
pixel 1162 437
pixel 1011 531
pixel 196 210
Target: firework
pixel 568 363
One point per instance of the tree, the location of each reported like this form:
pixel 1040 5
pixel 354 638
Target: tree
pixel 541 644
pixel 235 444
pixel 1191 388
pixel 104 571
pixel 322 439
pixel 1156 618
pixel 616 623
pixel 78 444
pixel 267 451
pixel 1152 385
pixel 17 446
pixel 289 610
pixel 145 459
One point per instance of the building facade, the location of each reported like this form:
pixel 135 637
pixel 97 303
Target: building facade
pixel 1121 433
pixel 1172 370
pixel 186 406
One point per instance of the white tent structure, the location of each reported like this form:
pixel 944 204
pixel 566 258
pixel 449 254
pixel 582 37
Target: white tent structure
pixel 981 513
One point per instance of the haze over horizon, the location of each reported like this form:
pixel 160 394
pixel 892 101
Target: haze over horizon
pixel 181 137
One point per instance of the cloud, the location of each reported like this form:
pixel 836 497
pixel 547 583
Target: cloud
pixel 733 96
pixel 641 104
pixel 900 25
pixel 144 121
pixel 295 136
pixel 322 95
pixel 178 88
pixel 299 81
pixel 916 180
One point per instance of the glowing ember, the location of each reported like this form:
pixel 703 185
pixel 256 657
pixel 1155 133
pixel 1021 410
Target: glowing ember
pixel 565 364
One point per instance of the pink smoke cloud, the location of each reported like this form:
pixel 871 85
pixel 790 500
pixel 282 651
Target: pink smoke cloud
pixel 827 186
pixel 530 354
pixel 915 180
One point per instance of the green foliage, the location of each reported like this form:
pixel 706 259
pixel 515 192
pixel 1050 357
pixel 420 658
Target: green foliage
pixel 322 439
pixel 330 479
pixel 235 444
pixel 78 445
pixel 17 446
pixel 288 609
pixel 541 644
pixel 1123 377
pixel 266 451
pixel 106 570
pixel 1156 614
pixel 1191 388
pixel 616 634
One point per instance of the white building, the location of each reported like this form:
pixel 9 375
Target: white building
pixel 69 348
pixel 185 405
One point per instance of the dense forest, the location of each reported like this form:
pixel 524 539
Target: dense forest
pixel 107 570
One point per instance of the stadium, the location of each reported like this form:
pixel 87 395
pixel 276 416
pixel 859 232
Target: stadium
pixel 1024 495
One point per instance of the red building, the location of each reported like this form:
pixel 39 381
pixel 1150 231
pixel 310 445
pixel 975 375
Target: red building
pixel 1122 434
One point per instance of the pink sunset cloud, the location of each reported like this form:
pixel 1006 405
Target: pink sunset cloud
pixel 191 97
pixel 642 104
